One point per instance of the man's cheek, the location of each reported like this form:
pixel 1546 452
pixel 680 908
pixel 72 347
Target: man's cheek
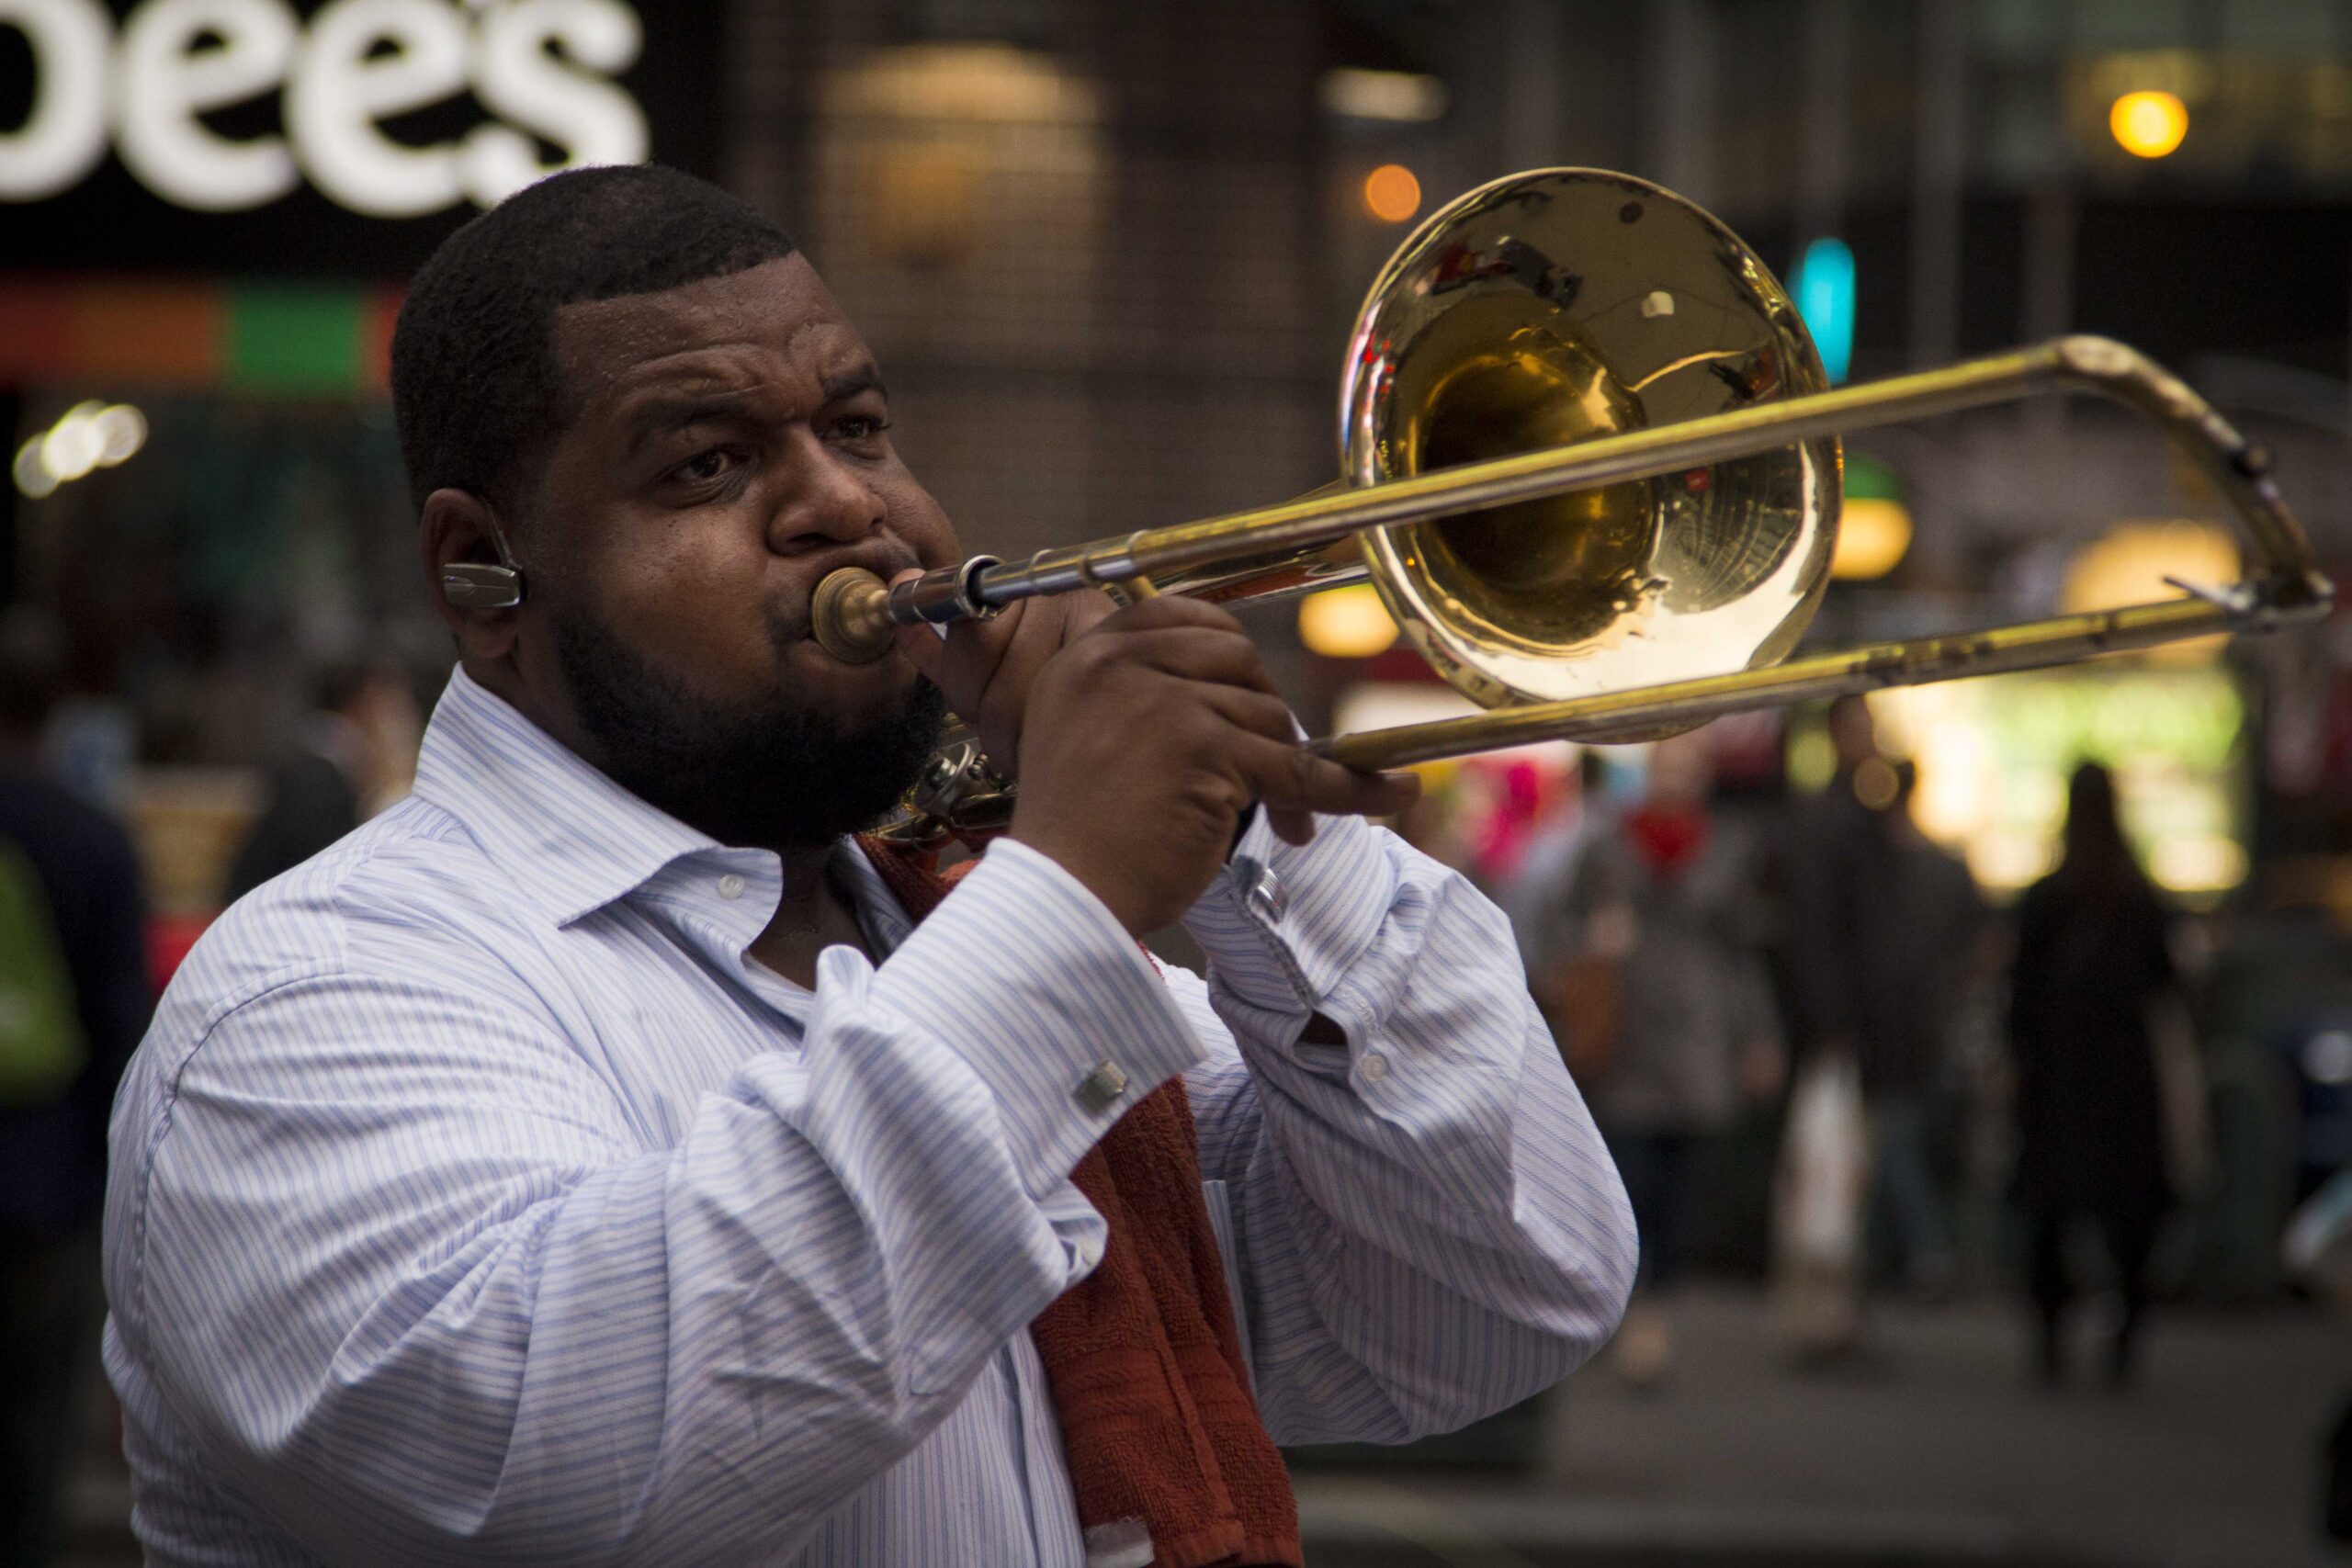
pixel 706 627
pixel 924 528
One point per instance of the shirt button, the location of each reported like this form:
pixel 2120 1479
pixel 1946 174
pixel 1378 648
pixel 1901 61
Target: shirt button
pixel 1090 1253
pixel 1100 1089
pixel 1374 1068
pixel 731 887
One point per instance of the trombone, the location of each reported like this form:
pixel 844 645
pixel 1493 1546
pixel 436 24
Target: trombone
pixel 1591 465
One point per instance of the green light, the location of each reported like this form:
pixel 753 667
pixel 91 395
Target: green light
pixel 288 338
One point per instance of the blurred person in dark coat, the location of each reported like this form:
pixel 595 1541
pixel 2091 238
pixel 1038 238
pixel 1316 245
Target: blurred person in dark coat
pixel 2091 964
pixel 1661 998
pixel 359 756
pixel 81 908
pixel 1883 926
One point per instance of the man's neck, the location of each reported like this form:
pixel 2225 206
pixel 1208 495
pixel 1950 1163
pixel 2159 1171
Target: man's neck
pixel 811 916
pixel 806 884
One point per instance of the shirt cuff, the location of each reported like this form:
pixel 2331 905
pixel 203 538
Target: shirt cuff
pixel 1025 976
pixel 1284 923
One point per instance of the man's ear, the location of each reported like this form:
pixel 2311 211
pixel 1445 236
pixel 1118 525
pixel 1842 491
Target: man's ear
pixel 472 577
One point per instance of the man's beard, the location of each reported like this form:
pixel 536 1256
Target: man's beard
pixel 768 773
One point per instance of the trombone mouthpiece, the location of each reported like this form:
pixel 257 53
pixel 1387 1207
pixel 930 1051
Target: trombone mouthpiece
pixel 849 615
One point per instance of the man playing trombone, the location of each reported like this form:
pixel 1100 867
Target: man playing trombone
pixel 604 1157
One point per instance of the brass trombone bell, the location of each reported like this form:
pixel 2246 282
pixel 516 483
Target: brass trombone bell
pixel 1590 463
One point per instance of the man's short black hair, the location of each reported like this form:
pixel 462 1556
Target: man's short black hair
pixel 476 390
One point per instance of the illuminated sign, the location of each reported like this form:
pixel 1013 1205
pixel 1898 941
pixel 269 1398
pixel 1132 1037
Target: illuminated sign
pixel 1994 755
pixel 541 70
pixel 342 137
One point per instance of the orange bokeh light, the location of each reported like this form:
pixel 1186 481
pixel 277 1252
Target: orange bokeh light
pixel 1391 193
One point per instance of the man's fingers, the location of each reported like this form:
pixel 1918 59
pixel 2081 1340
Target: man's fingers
pixel 1259 712
pixel 1291 826
pixel 1173 610
pixel 1288 778
pixel 963 662
pixel 925 649
pixel 1207 654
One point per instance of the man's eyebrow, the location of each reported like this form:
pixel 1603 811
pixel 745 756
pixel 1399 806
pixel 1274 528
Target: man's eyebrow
pixel 843 384
pixel 658 415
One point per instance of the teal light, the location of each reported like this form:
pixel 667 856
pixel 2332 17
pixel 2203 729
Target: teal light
pixel 1825 295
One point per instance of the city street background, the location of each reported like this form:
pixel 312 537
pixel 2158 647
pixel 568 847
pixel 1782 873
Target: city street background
pixel 1877 1006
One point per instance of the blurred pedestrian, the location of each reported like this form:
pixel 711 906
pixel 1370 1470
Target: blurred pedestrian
pixel 74 1001
pixel 1537 898
pixel 1881 926
pixel 1659 996
pixel 2092 969
pixel 1916 1094
pixel 358 757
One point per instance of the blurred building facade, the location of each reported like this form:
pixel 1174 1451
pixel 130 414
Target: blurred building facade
pixel 1108 255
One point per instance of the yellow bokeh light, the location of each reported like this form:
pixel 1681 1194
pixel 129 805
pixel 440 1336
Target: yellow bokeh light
pixel 2148 124
pixel 2133 562
pixel 1391 193
pixel 1872 534
pixel 1346 623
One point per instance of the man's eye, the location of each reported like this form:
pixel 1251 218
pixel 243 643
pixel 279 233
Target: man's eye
pixel 861 427
pixel 705 466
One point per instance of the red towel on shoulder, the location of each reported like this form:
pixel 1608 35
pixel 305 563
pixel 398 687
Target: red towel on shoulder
pixel 1168 1458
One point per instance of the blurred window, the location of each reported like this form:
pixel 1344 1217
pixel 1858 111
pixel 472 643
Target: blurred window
pixel 2132 24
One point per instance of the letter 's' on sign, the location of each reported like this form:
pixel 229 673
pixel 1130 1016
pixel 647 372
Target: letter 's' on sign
pixel 541 71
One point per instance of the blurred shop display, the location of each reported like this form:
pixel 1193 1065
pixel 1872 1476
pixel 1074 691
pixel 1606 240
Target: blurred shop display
pixel 1993 757
pixel 208 210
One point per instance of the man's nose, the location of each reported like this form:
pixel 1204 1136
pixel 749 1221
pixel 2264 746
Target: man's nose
pixel 827 501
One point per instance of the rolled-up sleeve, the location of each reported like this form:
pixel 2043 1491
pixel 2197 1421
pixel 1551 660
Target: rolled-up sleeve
pixel 366 1204
pixel 1428 1227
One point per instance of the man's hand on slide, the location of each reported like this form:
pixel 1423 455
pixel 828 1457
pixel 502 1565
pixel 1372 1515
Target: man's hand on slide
pixel 1145 740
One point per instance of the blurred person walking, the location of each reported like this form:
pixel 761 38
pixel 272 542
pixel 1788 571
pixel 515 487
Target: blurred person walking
pixel 2091 974
pixel 1881 929
pixel 1537 898
pixel 358 757
pixel 74 1001
pixel 1659 997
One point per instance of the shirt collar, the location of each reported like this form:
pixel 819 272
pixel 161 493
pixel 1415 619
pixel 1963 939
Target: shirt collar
pixel 568 839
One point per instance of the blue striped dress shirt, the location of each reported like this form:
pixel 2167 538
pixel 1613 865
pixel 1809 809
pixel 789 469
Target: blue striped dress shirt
pixel 476 1198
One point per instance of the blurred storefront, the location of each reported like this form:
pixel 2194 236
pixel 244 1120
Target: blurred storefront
pixel 196 292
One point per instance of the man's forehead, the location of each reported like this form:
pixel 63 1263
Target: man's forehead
pixel 770 319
